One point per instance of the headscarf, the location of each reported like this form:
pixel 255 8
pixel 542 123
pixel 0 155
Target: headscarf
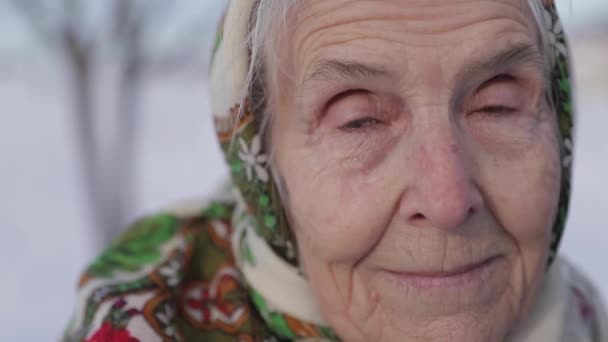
pixel 263 243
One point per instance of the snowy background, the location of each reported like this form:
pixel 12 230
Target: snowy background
pixel 45 242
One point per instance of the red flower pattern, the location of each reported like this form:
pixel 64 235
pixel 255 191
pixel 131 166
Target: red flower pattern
pixel 109 333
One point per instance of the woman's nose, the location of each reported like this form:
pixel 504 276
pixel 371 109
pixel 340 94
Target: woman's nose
pixel 442 193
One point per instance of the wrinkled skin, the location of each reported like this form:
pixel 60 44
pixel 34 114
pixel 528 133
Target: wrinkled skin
pixel 421 170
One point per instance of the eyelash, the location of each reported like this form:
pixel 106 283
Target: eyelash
pixel 367 122
pixel 496 110
pixel 360 124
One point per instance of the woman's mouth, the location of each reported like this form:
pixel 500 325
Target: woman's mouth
pixel 457 277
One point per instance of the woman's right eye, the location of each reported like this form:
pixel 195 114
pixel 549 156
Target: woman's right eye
pixel 352 111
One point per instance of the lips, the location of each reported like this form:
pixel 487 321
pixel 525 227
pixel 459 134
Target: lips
pixel 456 277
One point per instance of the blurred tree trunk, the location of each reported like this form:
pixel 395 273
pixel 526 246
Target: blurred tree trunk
pixel 64 37
pixel 79 62
pixel 80 54
pixel 121 176
pixel 108 162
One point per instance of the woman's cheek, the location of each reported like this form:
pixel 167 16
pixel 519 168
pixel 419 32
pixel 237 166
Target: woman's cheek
pixel 342 230
pixel 521 181
pixel 342 207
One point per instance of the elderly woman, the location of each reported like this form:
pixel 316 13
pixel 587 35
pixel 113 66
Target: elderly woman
pixel 400 172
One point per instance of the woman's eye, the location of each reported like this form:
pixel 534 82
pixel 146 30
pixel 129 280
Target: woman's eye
pixel 359 124
pixel 499 96
pixel 356 110
pixel 497 110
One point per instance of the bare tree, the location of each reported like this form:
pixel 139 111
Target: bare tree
pixel 61 35
pixel 107 172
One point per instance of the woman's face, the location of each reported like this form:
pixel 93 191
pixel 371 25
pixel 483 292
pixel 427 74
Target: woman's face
pixel 420 162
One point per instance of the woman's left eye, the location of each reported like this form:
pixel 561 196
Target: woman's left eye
pixel 497 109
pixel 359 124
pixel 498 96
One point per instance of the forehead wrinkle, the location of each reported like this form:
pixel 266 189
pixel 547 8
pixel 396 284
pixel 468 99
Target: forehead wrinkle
pixel 349 12
pixel 326 64
pixel 308 42
pixel 315 37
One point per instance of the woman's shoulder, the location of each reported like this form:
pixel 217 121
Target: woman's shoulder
pixel 586 311
pixel 567 308
pixel 160 273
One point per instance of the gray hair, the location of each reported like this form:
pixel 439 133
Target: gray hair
pixel 269 17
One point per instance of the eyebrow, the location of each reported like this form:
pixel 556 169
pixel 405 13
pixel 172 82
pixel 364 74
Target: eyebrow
pixel 328 69
pixel 466 78
pixel 474 72
pixel 505 59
